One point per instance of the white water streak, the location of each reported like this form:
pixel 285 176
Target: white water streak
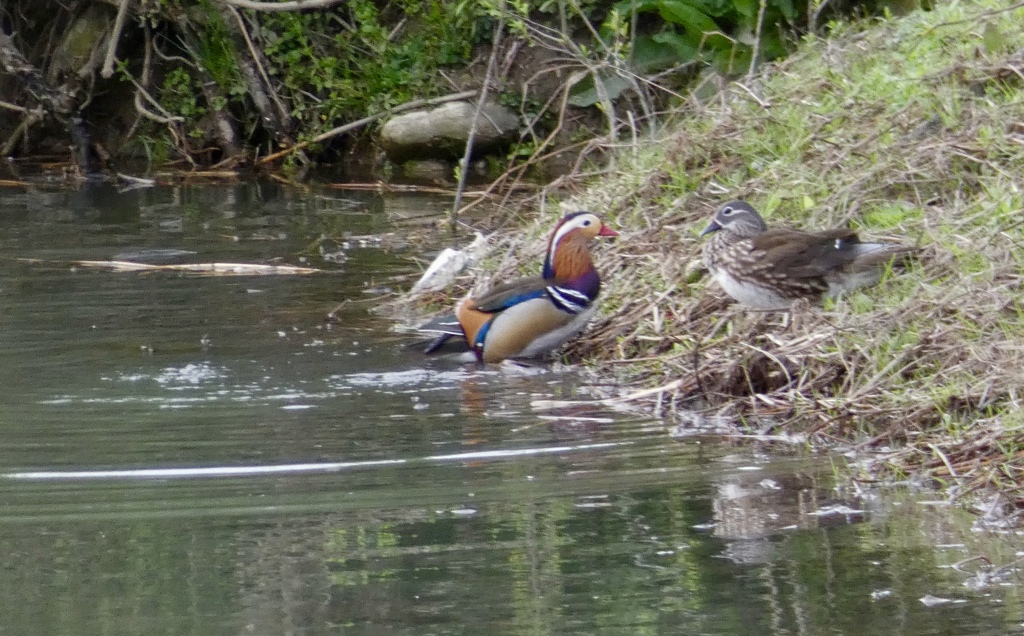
pixel 208 472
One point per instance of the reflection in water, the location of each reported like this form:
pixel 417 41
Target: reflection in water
pixel 185 454
pixel 532 558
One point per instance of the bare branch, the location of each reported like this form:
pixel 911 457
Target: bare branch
pixel 14 107
pixel 476 115
pixel 757 38
pixel 108 61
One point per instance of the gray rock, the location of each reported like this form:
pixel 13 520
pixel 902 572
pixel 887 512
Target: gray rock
pixel 441 132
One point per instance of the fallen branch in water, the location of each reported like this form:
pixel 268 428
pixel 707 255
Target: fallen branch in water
pixel 213 269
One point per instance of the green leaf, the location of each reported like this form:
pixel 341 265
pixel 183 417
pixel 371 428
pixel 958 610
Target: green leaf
pixel 585 92
pixel 688 17
pixel 733 60
pixel 786 7
pixel 684 46
pixel 772 45
pixel 652 53
pixel 720 42
pixel 626 7
pixel 748 9
pixel 715 8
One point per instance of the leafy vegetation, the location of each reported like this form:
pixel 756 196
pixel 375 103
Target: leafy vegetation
pixel 724 32
pixel 335 69
pixel 239 79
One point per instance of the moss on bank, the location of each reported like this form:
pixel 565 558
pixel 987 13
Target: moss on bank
pixel 909 128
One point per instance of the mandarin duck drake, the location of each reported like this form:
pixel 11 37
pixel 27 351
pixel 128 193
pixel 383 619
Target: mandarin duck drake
pixel 532 316
pixel 770 269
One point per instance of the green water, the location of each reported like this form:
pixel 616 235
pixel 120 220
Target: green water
pixel 184 454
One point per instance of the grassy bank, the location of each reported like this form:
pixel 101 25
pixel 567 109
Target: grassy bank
pixel 909 128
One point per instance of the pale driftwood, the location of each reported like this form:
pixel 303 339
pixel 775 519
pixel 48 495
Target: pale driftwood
pixel 213 269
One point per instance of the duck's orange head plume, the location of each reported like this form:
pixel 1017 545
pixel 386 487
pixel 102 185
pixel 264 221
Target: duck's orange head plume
pixel 568 255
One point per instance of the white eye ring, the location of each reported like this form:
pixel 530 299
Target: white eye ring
pixel 728 211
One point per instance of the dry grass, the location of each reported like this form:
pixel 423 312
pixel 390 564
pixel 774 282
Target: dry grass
pixel 911 128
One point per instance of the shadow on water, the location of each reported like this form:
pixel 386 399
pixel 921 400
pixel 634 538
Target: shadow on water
pixel 198 454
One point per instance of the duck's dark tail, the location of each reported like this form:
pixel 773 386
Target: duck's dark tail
pixel 444 328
